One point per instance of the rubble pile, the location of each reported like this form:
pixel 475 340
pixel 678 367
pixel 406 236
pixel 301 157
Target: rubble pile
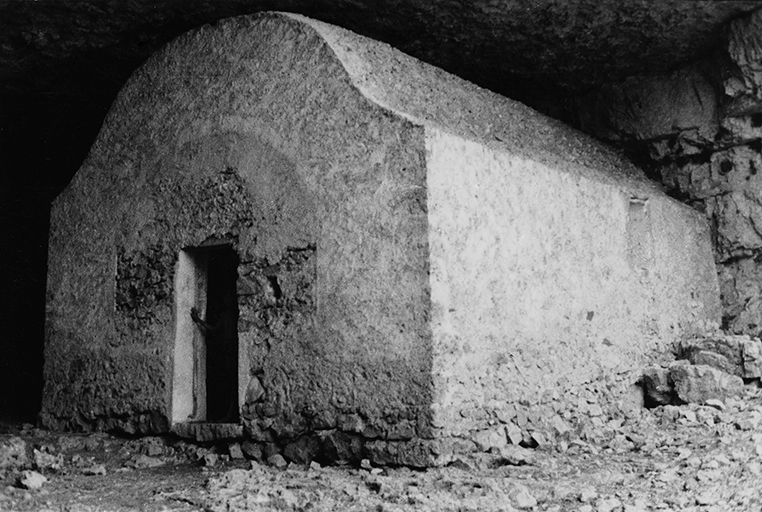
pixel 704 455
pixel 707 369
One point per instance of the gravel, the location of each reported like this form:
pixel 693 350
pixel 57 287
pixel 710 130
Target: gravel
pixel 694 457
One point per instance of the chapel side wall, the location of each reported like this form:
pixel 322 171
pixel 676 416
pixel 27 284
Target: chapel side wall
pixel 536 288
pixel 305 178
pixel 685 280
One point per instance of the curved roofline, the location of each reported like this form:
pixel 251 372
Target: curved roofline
pixel 430 96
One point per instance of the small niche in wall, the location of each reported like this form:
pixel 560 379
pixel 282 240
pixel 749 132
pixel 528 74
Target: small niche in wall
pixel 639 236
pixel 205 380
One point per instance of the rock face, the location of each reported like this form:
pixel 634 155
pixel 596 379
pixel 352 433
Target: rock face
pixel 736 355
pixel 540 43
pixel 414 259
pixel 699 130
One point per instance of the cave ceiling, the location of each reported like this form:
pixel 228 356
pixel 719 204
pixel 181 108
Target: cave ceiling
pixel 62 62
pixel 520 48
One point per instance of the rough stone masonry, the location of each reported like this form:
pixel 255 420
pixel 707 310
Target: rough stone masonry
pixel 422 265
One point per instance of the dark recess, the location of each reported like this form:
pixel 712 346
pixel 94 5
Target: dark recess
pixel 221 361
pixel 44 137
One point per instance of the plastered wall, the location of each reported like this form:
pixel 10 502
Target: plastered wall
pixel 542 279
pixel 254 138
pixel 418 258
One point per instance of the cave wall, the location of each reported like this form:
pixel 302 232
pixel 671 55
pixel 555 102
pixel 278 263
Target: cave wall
pixel 698 130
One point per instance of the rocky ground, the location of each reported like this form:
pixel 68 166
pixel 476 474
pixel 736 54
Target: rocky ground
pixel 689 457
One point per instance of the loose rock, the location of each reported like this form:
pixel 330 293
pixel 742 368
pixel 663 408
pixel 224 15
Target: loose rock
pixel 278 461
pixel 43 460
pixel 522 498
pixel 488 439
pixel 235 451
pixel 513 433
pixel 608 505
pixel 13 453
pixel 252 450
pixel 31 480
pixel 96 469
pixel 516 455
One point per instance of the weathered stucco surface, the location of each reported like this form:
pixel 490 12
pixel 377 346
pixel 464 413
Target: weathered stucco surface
pixel 271 149
pixel 699 129
pixel 543 279
pixel 417 255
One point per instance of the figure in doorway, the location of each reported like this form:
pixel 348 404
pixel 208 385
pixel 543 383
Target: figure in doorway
pixel 222 338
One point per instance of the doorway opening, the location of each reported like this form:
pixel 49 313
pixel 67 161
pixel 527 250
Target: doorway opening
pixel 205 380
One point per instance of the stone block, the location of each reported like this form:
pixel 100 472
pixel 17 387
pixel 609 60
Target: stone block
pixel 235 451
pixel 32 480
pixel 278 461
pixel 303 450
pixel 752 358
pixel 699 383
pixel 738 355
pixel 339 446
pixel 416 453
pixel 252 450
pixel 513 433
pixel 492 438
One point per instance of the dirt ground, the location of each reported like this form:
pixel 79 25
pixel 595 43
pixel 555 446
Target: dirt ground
pixel 691 457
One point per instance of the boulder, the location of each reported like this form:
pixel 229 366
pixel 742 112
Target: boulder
pixel 31 480
pixel 699 383
pixel 738 355
pixel 13 454
pixel 492 438
pixel 278 461
pixel 252 450
pixel 303 450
